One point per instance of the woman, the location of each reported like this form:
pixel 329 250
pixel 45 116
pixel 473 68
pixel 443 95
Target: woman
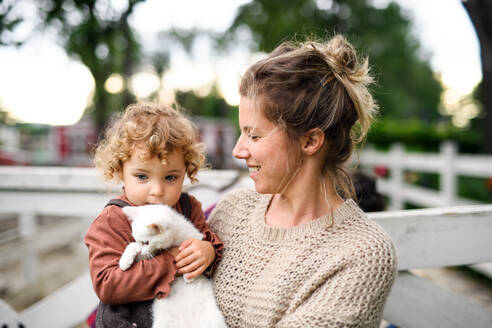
pixel 298 251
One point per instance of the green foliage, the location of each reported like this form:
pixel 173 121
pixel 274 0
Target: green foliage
pixel 468 187
pixel 8 23
pixel 5 118
pixel 103 41
pixel 33 129
pixel 405 86
pixel 211 105
pixel 419 135
pixel 94 33
pixel 474 188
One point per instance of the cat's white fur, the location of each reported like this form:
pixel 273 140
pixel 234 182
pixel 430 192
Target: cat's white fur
pixel 190 304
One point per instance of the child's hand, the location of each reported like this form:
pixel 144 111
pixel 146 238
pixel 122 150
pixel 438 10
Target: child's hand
pixel 194 257
pixel 174 251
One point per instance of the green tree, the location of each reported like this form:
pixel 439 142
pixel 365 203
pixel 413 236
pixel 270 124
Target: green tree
pixel 5 118
pixel 480 12
pixel 94 33
pixel 8 23
pixel 211 105
pixel 406 87
pixel 102 41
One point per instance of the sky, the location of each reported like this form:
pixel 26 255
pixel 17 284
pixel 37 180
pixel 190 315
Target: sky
pixel 40 84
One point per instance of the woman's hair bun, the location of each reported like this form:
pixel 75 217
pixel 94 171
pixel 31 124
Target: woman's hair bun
pixel 343 64
pixel 340 55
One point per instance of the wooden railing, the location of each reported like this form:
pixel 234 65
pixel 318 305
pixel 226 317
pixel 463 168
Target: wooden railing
pixel 423 238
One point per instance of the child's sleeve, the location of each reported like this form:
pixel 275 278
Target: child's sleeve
pixel 198 219
pixel 106 240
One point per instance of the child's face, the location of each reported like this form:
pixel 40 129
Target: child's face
pixel 151 182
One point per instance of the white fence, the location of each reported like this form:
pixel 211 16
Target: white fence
pixel 436 237
pixel 447 163
pixel 444 236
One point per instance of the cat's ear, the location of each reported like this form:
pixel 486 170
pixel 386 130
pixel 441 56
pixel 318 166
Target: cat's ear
pixel 155 227
pixel 130 211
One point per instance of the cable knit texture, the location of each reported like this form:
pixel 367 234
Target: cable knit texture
pixel 331 272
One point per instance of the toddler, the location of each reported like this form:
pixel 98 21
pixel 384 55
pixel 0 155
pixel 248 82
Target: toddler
pixel 150 148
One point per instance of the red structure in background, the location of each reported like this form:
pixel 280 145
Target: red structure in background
pixel 381 171
pixel 68 145
pixel 63 142
pixel 489 184
pixel 6 159
pixel 72 145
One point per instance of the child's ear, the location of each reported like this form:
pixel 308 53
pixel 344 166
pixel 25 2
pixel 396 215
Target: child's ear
pixel 312 141
pixel 130 211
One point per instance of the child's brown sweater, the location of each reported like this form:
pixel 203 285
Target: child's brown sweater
pixel 108 237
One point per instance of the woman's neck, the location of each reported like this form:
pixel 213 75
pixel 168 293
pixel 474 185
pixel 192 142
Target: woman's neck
pixel 302 202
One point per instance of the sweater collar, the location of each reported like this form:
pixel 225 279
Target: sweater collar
pixel 323 223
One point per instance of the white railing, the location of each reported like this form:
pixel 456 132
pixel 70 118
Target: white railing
pixel 436 237
pixel 423 238
pixel 447 163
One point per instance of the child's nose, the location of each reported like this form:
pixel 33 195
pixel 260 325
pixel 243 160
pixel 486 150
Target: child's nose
pixel 157 189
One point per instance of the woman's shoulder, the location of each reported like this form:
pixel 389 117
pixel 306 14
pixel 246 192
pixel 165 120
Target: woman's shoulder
pixel 366 236
pixel 374 245
pixel 239 197
pixel 237 203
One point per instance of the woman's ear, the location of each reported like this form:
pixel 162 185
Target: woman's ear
pixel 312 141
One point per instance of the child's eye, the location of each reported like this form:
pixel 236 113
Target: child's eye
pixel 253 137
pixel 141 177
pixel 171 178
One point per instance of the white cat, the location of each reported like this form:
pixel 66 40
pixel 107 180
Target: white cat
pixel 190 304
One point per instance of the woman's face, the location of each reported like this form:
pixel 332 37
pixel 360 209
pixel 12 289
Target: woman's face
pixel 271 157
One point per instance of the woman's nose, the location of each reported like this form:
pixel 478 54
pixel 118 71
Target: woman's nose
pixel 240 151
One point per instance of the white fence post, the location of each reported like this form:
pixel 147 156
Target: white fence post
pixel 448 179
pixel 27 228
pixel 396 197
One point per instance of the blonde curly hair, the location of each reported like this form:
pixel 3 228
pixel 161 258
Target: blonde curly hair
pixel 157 128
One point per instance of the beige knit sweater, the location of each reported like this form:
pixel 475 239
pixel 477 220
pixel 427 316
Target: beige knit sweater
pixel 313 275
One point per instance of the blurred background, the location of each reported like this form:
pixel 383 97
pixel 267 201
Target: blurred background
pixel 66 66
